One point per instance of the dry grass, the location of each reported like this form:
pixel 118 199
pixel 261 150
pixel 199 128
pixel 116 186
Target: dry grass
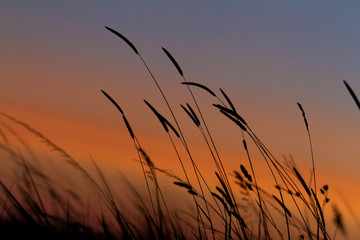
pixel 244 210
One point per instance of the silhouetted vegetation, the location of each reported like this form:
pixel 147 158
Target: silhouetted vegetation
pixel 293 209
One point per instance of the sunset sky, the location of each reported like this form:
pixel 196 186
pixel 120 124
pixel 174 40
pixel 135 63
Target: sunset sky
pixel 56 56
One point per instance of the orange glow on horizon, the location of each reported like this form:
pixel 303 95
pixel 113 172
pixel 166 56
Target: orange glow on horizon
pixel 112 148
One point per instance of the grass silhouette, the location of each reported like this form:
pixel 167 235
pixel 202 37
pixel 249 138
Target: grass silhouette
pixel 292 210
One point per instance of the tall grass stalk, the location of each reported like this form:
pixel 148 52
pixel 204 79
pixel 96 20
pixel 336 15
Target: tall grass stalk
pixel 38 204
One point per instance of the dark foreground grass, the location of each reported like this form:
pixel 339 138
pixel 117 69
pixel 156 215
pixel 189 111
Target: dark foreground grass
pixel 34 205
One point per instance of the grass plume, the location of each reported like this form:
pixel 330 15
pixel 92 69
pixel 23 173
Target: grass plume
pixel 245 210
pixel 356 100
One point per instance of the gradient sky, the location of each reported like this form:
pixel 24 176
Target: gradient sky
pixel 56 56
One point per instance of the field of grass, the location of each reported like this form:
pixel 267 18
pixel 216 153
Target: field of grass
pixel 35 205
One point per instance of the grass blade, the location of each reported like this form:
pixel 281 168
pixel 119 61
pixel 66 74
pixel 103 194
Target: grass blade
pixel 123 38
pixel 226 194
pixel 231 112
pixel 221 200
pixel 113 102
pixel 194 114
pixel 246 173
pixel 282 205
pixel 352 94
pixel 226 197
pixel 200 86
pixel 302 181
pixel 182 184
pixel 303 114
pixel 172 59
pixel 163 120
pixel 228 100
pixel 234 120
pixel 128 127
pixel 319 207
pixel 158 115
pixel 172 127
pixel 191 116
